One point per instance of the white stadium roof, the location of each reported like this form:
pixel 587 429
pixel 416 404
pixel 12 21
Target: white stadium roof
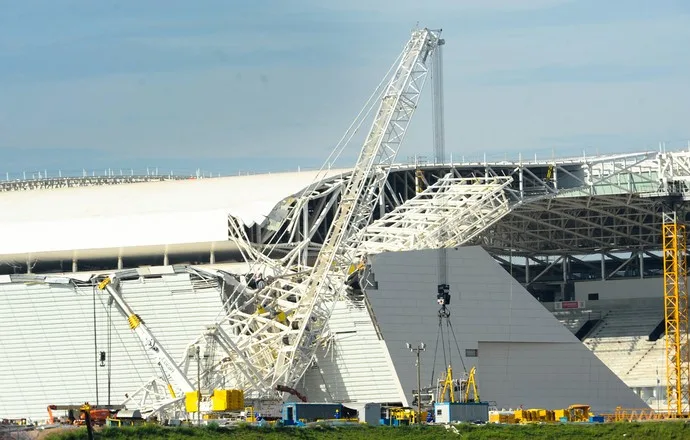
pixel 149 216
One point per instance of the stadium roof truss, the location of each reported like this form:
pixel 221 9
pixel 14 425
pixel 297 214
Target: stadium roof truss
pixel 546 212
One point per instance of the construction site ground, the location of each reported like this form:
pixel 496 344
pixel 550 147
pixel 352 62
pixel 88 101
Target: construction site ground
pixel 648 430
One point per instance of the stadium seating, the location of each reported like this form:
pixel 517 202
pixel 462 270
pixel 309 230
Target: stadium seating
pixel 573 320
pixel 621 341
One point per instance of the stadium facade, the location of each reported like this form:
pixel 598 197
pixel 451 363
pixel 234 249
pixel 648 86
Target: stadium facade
pixel 524 239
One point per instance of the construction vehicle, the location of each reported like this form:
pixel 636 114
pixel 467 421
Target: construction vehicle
pixel 169 369
pixel 74 414
pixel 125 418
pixel 97 416
pixel 575 413
pixel 85 419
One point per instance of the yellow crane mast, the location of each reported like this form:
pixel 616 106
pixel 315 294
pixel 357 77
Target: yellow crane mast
pixel 676 315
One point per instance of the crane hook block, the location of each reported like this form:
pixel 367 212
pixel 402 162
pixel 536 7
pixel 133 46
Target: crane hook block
pixel 443 294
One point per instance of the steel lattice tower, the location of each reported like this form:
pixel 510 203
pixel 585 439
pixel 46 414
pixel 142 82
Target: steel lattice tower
pixel 676 315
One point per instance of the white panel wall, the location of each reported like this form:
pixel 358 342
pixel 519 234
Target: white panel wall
pixel 621 289
pixel 358 367
pixel 487 306
pixel 545 375
pixel 47 340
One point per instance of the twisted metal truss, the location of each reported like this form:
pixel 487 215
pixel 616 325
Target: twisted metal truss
pixel 269 330
pixel 276 328
pixel 450 212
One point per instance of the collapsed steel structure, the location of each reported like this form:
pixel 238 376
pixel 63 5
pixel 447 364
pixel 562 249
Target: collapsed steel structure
pixel 312 250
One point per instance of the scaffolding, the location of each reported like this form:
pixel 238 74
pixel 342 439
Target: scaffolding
pixel 676 315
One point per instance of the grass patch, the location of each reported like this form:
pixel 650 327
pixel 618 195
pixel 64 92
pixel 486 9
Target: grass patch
pixel 629 431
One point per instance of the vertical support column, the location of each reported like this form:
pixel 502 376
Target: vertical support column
pixel 564 268
pixel 166 261
pixel 305 233
pixel 120 263
pixel 212 256
pixel 259 235
pixel 521 181
pixel 676 315
pixel 526 270
pixel 75 266
pixel 382 201
pixel 418 180
pixel 641 255
pixel 603 267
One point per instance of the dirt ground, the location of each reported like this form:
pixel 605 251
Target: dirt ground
pixel 33 434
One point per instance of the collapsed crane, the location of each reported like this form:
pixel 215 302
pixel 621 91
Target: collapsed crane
pixel 270 331
pixel 279 327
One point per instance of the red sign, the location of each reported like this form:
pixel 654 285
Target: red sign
pixel 570 305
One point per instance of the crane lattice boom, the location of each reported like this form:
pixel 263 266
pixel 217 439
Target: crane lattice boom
pixel 278 330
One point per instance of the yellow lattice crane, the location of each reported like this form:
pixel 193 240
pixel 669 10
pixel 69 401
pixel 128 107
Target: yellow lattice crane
pixel 676 315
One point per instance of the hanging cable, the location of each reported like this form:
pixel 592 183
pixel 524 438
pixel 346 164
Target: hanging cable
pixel 433 365
pixel 450 324
pixel 450 352
pixel 443 344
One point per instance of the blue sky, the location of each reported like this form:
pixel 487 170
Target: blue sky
pixel 229 85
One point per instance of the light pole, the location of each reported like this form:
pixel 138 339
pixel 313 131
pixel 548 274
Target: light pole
pixel 198 385
pixel 417 350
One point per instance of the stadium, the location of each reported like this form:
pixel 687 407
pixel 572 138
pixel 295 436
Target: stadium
pixel 314 281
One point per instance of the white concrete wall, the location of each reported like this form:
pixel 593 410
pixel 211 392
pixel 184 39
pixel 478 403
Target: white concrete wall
pixel 47 341
pixel 490 311
pixel 358 367
pixel 620 289
pixel 545 375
